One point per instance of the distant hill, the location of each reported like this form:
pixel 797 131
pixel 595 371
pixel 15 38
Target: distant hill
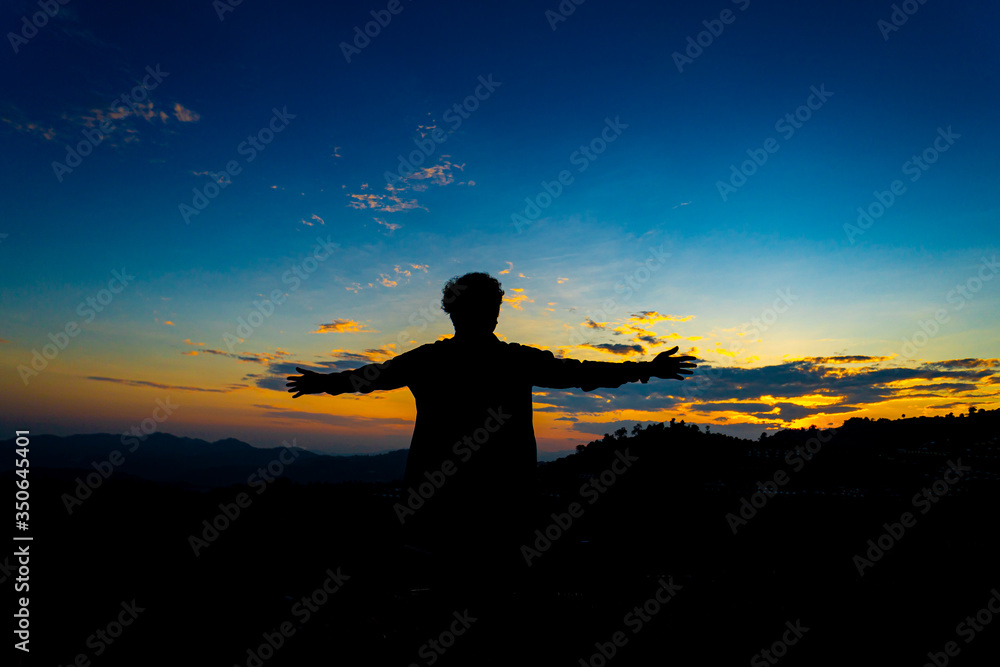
pixel 199 464
pixel 195 463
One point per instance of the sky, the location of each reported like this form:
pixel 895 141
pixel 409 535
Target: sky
pixel 199 197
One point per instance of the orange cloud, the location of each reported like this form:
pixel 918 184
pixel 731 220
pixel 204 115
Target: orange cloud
pixel 389 203
pixel 343 326
pixel 185 115
pixel 515 300
pixel 652 317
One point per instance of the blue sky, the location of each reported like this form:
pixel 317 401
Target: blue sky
pixel 654 188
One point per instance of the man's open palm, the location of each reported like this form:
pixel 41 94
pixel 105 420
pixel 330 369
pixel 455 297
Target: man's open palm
pixel 672 368
pixel 309 382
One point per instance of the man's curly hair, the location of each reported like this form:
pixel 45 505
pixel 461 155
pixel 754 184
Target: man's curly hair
pixel 471 294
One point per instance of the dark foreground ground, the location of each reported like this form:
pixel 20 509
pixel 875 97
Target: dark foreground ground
pixel 786 581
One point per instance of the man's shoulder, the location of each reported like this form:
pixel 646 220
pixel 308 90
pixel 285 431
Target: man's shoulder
pixel 527 350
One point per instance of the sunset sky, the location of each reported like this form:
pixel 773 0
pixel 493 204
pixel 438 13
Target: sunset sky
pixel 600 164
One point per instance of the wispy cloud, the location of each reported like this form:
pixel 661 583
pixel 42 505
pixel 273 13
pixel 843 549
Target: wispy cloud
pixel 158 385
pixel 649 317
pixel 313 221
pixel 247 357
pixel 388 203
pixel 390 227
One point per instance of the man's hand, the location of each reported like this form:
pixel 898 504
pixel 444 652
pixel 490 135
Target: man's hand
pixel 671 368
pixel 309 382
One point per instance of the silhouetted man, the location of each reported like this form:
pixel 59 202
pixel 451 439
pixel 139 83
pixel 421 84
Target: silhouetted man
pixel 471 466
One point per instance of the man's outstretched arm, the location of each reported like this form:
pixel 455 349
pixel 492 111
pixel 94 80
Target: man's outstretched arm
pixel 365 379
pixel 589 375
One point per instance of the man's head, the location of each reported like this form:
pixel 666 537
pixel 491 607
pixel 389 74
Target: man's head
pixel 473 302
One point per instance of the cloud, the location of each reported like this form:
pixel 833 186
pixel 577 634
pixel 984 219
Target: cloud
pixel 517 298
pixel 343 326
pixel 967 363
pixel 157 385
pixel 390 226
pixel 594 325
pixel 616 348
pixel 247 357
pixel 185 115
pixel 853 359
pixel 780 393
pixel 439 174
pixel 648 317
pixel 32 129
pixel 389 203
